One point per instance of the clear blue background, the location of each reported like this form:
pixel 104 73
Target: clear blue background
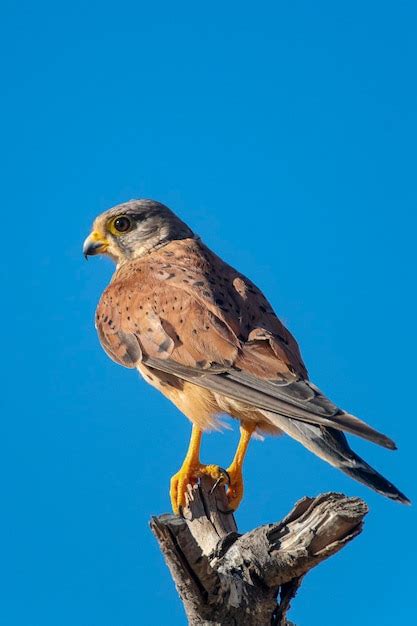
pixel 285 134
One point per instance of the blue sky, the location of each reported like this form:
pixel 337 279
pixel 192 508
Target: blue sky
pixel 284 133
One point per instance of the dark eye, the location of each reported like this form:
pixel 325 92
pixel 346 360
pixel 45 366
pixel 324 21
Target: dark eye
pixel 122 224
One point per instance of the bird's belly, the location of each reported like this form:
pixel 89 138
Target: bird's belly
pixel 202 406
pixel 197 403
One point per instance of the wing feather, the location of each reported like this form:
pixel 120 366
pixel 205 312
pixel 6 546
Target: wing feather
pixel 183 311
pixel 277 398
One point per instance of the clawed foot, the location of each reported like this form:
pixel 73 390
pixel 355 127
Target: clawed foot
pixel 189 475
pixel 234 490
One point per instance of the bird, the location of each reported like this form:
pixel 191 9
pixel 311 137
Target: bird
pixel 208 339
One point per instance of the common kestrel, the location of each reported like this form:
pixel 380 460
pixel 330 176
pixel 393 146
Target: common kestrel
pixel 207 338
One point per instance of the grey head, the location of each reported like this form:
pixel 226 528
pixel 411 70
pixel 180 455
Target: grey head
pixel 134 228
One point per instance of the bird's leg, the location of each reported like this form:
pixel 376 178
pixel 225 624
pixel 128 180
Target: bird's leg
pixel 235 487
pixel 188 473
pixel 191 470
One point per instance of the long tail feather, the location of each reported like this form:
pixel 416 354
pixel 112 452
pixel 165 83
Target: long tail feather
pixel 332 446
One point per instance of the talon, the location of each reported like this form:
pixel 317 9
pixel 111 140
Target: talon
pixel 227 476
pixel 188 475
pixel 220 475
pixel 234 491
pixel 216 484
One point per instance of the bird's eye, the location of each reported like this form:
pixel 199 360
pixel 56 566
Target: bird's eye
pixel 122 224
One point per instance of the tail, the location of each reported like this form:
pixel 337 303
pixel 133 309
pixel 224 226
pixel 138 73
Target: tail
pixel 332 446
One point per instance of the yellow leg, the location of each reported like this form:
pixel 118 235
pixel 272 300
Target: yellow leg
pixel 235 487
pixel 190 471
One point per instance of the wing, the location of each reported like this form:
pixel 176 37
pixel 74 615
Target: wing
pixel 191 315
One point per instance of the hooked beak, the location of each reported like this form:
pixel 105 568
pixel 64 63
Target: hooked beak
pixel 94 244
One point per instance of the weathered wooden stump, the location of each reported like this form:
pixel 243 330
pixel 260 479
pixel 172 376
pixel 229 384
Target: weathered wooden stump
pixel 224 578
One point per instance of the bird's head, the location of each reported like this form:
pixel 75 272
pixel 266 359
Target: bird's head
pixel 132 229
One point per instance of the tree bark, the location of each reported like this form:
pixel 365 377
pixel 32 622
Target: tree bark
pixel 224 578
